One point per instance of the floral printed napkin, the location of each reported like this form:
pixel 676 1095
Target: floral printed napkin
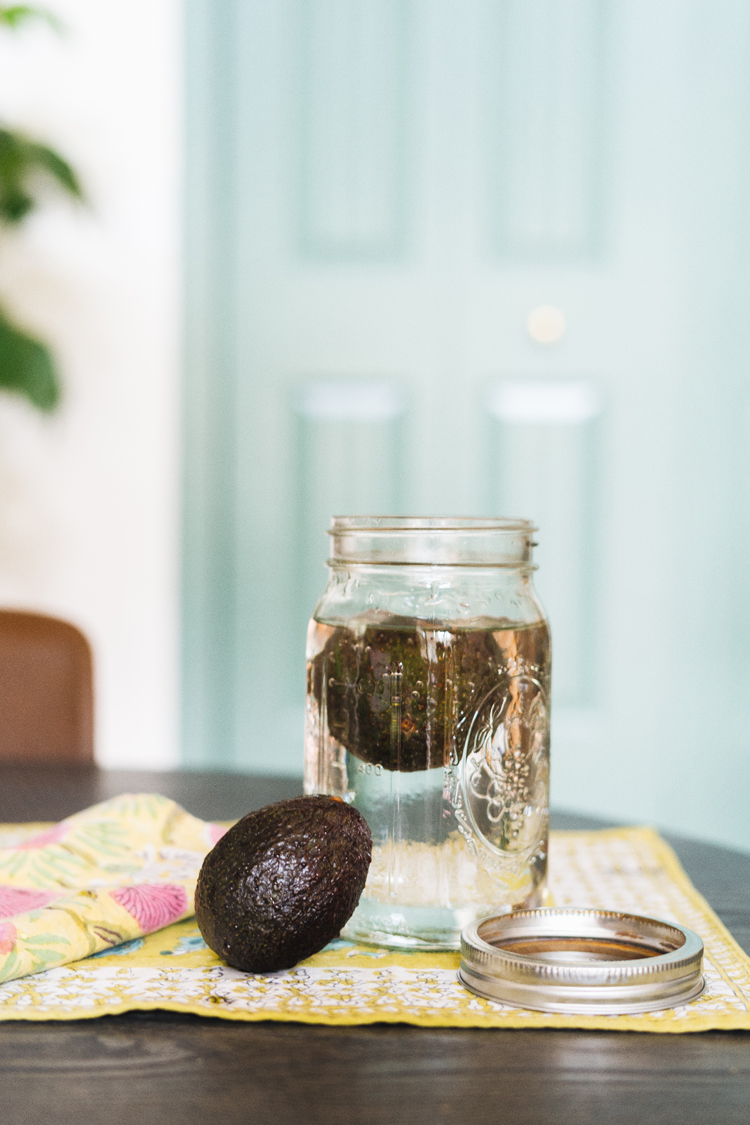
pixel 112 873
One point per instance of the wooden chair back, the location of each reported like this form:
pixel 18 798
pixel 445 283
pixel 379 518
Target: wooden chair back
pixel 46 691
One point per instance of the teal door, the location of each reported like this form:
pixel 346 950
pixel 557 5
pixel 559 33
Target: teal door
pixel 478 256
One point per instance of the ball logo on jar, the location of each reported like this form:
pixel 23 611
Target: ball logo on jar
pixel 505 767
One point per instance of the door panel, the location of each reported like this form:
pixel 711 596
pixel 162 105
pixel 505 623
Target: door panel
pixel 380 192
pixel 544 77
pixel 351 119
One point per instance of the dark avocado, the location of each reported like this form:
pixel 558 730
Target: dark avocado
pixel 431 677
pixel 282 882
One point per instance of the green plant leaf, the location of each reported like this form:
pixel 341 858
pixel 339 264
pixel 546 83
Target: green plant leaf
pixel 26 168
pixel 26 366
pixel 14 15
pixel 24 163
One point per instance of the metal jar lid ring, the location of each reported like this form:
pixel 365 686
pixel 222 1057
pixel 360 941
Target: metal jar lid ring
pixel 586 962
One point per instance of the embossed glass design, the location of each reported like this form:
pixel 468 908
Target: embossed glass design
pixel 428 709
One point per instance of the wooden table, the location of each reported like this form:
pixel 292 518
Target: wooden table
pixel 163 1068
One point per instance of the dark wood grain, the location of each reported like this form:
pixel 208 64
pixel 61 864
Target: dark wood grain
pixel 117 1071
pixel 161 1068
pixel 50 793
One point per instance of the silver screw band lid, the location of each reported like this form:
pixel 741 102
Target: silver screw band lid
pixel 586 962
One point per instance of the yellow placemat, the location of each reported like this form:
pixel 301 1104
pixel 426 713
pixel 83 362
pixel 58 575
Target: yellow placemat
pixel 628 869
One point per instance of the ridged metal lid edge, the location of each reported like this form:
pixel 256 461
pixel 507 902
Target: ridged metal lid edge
pixel 573 965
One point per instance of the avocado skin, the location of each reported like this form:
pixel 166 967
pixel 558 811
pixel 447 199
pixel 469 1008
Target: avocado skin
pixel 281 883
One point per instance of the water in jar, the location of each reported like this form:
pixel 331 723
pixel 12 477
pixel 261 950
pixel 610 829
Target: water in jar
pixel 438 733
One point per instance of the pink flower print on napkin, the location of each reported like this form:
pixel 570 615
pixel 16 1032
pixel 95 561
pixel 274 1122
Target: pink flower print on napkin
pixel 19 900
pixel 153 905
pixel 8 936
pixel 51 835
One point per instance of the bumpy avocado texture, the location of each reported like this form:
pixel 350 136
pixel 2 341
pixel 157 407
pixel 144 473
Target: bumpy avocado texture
pixel 282 882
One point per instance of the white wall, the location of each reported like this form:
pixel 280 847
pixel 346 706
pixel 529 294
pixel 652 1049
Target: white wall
pixel 89 498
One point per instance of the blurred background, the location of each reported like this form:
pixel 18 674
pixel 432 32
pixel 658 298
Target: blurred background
pixel 405 256
pixel 89 494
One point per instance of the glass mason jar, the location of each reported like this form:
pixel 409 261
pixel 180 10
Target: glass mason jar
pixel 428 664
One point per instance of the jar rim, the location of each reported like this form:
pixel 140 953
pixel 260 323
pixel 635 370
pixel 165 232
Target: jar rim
pixel 405 524
pixel 432 541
